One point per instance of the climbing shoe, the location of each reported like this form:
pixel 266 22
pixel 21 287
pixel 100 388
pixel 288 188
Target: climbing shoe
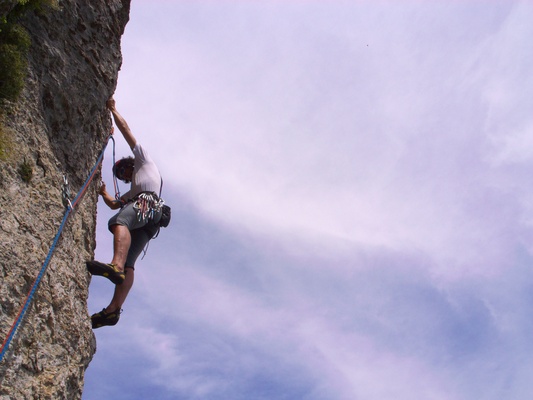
pixel 109 271
pixel 105 319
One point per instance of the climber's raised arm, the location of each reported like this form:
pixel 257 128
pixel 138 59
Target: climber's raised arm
pixel 121 123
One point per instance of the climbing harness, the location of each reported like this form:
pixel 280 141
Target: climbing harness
pixel 147 204
pixel 69 205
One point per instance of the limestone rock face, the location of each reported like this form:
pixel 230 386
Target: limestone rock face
pixel 56 128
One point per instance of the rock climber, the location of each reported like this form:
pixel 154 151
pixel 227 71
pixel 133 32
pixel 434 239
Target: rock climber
pixel 133 226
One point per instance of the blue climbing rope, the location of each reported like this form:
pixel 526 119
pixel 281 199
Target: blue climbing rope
pixel 70 205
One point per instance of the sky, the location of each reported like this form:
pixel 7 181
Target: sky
pixel 352 209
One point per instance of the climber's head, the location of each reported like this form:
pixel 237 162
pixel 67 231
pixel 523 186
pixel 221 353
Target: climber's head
pixel 123 169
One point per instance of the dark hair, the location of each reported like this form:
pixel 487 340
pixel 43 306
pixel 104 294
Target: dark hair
pixel 121 165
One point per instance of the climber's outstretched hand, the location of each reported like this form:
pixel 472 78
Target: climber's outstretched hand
pixel 111 104
pixel 121 123
pixel 108 199
pixel 102 189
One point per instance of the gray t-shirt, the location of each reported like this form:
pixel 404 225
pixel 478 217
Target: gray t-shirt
pixel 146 177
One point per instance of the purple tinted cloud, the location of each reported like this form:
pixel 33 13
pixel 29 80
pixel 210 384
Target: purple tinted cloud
pixel 350 186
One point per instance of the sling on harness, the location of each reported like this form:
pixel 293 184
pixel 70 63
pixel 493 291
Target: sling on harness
pixel 165 212
pixel 163 221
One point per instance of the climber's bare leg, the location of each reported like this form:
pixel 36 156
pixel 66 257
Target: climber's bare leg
pixel 121 291
pixel 121 245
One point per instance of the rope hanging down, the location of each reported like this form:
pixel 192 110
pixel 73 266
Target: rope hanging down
pixel 70 205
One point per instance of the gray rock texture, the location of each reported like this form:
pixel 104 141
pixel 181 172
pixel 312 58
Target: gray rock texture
pixel 6 6
pixel 57 127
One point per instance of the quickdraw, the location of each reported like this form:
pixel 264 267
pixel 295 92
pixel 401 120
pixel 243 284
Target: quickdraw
pixel 65 193
pixel 146 205
pixel 69 205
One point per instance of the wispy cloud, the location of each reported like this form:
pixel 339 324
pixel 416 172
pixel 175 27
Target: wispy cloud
pixel 350 188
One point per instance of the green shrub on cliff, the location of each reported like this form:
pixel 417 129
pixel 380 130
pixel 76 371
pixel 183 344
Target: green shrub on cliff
pixel 26 171
pixel 14 45
pixel 5 143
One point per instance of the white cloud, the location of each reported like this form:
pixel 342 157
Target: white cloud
pixel 350 220
pixel 373 151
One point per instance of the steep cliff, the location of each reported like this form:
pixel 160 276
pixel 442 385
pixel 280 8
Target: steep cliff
pixel 57 127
